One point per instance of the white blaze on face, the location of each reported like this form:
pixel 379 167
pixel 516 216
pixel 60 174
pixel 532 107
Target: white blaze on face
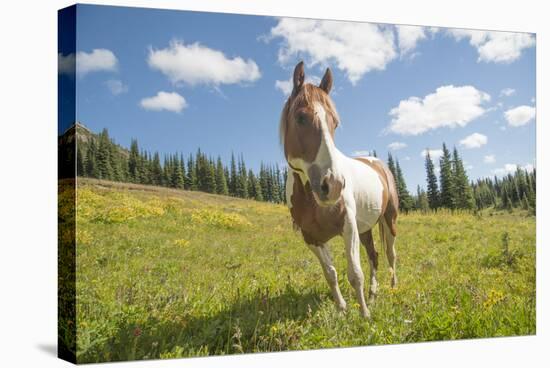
pixel 324 159
pixel 326 155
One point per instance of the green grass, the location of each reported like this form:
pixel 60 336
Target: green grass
pixel 164 273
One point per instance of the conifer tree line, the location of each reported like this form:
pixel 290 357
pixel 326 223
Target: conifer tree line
pixel 406 201
pixel 98 156
pixel 453 190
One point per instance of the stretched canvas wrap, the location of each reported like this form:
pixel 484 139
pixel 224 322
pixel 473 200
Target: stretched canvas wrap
pixel 234 184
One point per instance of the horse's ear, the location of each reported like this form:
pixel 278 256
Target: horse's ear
pixel 326 82
pixel 299 77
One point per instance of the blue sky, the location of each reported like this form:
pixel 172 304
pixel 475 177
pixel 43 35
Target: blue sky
pixel 179 80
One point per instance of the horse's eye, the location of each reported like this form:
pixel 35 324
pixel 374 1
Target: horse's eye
pixel 301 119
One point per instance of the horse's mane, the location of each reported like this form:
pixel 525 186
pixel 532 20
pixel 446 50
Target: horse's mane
pixel 307 95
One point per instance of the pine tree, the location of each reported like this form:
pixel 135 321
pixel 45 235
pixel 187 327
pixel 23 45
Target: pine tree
pixel 79 161
pixel 178 180
pixel 405 199
pixel 211 185
pixel 91 166
pixel 446 180
pixel 251 184
pixel 156 172
pixel 506 201
pixel 463 197
pixel 104 169
pixel 391 166
pixel 226 174
pixel 433 191
pixel 258 191
pixel 233 177
pixel 143 168
pixel 422 203
pixel 191 174
pixel 240 180
pixel 264 183
pixel 133 161
pixel 276 182
pixel 525 202
pixel 199 175
pixel 221 181
pixel 166 172
pixel 118 171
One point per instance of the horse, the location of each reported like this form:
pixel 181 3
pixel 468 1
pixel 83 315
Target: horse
pixel 330 194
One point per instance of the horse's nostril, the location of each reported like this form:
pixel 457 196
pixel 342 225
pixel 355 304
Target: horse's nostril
pixel 324 187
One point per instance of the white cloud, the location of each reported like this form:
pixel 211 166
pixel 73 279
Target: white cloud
pixel 95 61
pixel 285 86
pixel 497 47
pixel 475 140
pixel 196 64
pixel 507 92
pixel 434 153
pixel 520 115
pixel 511 168
pixel 408 37
pixel 507 169
pixel 469 167
pixel 356 48
pixel 66 64
pixel 170 101
pixel 116 86
pixel 449 106
pixel 489 159
pixel 394 146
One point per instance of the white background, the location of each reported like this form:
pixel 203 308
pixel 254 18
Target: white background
pixel 28 143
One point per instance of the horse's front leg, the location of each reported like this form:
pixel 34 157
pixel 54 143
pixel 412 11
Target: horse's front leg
pixel 323 254
pixel 355 274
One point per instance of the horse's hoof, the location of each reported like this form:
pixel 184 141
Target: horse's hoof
pixel 372 298
pixel 342 307
pixel 365 313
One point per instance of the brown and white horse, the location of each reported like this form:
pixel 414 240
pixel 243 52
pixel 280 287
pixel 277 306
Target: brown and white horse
pixel 330 194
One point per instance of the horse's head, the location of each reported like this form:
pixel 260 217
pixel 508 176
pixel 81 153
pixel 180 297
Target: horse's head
pixel 308 122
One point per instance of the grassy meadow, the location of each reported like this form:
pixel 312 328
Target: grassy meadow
pixel 167 273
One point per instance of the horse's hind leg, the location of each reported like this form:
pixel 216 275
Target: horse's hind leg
pixel 323 254
pixel 368 242
pixel 389 241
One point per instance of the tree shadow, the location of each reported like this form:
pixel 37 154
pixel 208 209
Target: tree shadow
pixel 249 324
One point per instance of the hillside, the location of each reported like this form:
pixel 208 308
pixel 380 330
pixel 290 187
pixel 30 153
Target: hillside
pixel 168 273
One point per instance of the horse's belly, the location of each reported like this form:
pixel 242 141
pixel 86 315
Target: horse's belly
pixel 369 205
pixel 367 219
